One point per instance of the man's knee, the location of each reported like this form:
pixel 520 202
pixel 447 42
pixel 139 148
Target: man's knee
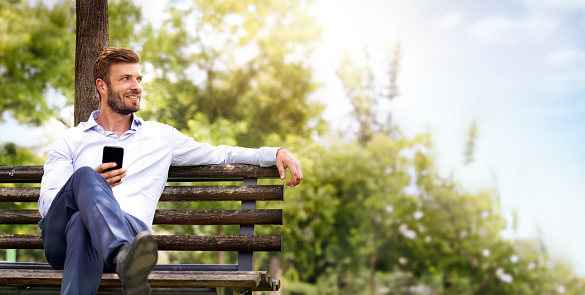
pixel 86 171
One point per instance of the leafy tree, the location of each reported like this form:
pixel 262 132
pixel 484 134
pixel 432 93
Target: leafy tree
pixel 373 216
pixel 237 62
pixel 367 91
pixel 37 55
pixel 124 23
pixel 37 48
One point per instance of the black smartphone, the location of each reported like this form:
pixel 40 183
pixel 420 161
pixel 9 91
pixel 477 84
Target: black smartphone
pixel 113 154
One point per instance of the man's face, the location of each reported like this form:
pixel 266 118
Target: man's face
pixel 124 88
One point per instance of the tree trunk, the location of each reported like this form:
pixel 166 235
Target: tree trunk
pixel 92 38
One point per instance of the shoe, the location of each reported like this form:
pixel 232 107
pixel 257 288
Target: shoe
pixel 135 262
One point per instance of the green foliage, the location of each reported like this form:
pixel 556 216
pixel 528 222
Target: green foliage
pixel 37 54
pixel 124 17
pixel 238 62
pixel 13 155
pixel 37 48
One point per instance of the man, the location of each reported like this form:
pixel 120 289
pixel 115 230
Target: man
pixel 96 221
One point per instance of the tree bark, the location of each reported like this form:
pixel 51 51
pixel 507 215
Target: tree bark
pixel 92 38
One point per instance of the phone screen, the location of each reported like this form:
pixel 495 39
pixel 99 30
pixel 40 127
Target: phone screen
pixel 113 154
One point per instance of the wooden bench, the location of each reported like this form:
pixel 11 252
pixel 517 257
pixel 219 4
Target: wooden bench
pixel 240 278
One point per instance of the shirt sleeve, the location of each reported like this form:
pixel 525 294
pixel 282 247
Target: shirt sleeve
pixel 57 170
pixel 186 151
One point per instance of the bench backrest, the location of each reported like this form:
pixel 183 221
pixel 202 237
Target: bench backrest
pixel 247 217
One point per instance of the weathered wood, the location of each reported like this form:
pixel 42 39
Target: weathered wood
pixel 32 174
pixel 220 243
pixel 92 37
pixel 218 217
pixel 224 171
pixel 19 194
pixel 21 174
pixel 184 217
pixel 15 241
pixel 174 193
pixel 170 242
pixel 19 216
pixel 249 280
pixel 224 193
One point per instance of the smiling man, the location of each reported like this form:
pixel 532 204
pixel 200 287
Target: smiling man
pixel 96 221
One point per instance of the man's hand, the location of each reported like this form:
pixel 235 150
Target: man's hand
pixel 113 177
pixel 284 159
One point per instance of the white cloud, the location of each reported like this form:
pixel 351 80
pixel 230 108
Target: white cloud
pixel 566 58
pixel 502 29
pixel 558 5
pixel 448 21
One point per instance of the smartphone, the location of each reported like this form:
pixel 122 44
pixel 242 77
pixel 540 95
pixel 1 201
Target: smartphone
pixel 113 154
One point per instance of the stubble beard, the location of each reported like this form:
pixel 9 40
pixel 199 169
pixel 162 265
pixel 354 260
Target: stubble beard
pixel 116 103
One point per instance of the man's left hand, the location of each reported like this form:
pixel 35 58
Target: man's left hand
pixel 284 159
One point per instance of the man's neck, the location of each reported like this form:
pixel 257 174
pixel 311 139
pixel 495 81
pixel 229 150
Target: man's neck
pixel 114 122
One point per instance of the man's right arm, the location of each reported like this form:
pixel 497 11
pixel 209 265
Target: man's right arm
pixel 57 170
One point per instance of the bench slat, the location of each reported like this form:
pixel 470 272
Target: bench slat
pixel 216 217
pixel 250 280
pixel 170 242
pixel 173 217
pixel 166 267
pixel 32 174
pixel 174 193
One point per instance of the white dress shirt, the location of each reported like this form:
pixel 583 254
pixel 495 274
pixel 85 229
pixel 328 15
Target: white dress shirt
pixel 150 148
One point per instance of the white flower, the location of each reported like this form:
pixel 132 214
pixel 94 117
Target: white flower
pixel 418 215
pixel 410 234
pixel 389 209
pixel 406 232
pixel 506 278
pixel 514 258
pixel 486 252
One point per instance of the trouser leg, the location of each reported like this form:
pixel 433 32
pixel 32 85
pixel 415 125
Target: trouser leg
pixel 83 266
pixel 88 193
pixel 108 227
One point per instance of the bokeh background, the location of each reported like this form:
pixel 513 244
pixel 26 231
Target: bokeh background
pixel 441 140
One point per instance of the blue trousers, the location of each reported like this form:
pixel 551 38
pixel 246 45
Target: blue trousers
pixel 83 231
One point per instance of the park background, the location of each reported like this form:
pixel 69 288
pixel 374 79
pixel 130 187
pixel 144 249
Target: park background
pixel 440 140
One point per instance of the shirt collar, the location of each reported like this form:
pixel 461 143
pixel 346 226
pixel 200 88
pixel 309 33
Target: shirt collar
pixel 91 123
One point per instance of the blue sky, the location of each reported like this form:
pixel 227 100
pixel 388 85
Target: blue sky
pixel 516 67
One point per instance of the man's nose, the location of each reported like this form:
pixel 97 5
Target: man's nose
pixel 135 84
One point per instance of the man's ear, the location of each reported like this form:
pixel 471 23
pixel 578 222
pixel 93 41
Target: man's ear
pixel 100 85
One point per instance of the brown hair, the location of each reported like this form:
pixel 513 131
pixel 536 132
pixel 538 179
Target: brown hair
pixel 110 56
